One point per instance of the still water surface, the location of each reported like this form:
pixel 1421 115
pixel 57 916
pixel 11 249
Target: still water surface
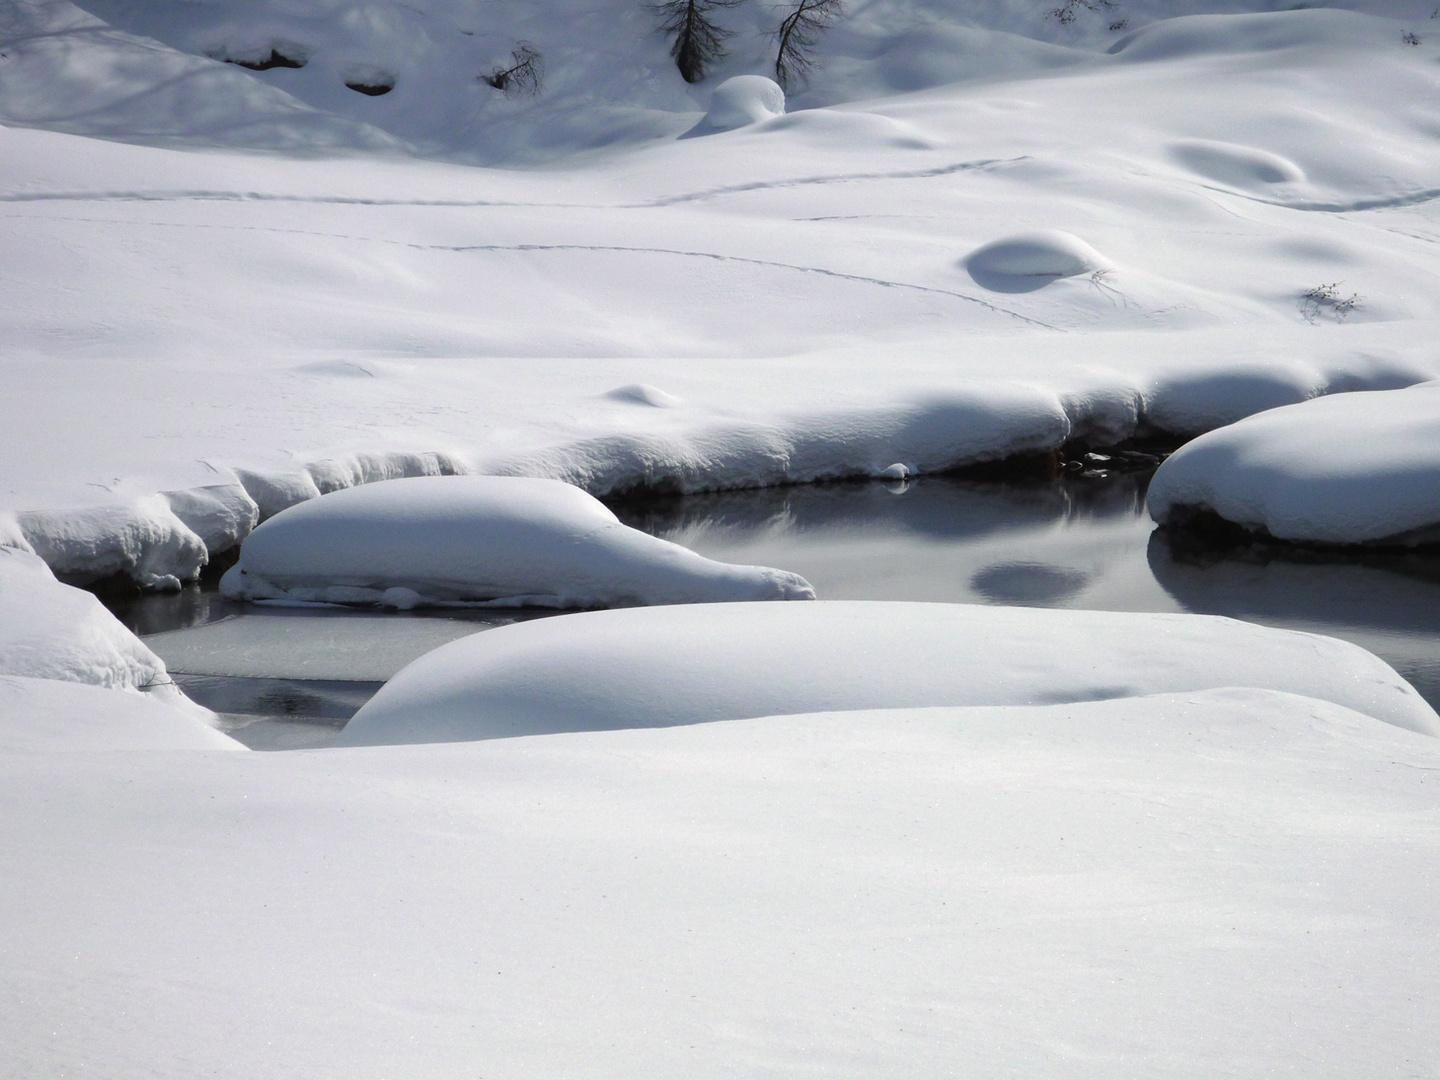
pixel 286 677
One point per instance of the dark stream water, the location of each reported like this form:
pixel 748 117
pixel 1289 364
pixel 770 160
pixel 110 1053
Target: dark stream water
pixel 286 677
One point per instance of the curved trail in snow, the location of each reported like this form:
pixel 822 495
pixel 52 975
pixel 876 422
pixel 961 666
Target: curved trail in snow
pixel 219 195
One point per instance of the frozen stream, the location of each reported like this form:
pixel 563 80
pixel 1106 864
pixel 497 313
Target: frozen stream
pixel 286 677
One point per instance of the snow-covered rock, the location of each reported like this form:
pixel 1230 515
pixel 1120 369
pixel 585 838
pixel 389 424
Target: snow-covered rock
pixel 49 630
pixel 1348 469
pixel 684 665
pixel 1027 260
pixel 502 539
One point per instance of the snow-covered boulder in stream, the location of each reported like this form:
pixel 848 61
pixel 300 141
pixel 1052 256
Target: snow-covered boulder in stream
pixel 508 540
pixel 1358 468
pixel 684 665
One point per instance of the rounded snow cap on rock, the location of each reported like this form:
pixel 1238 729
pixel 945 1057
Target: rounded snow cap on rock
pixel 1045 253
pixel 745 99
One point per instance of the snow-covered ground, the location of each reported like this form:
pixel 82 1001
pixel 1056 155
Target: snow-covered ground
pixel 978 230
pixel 608 303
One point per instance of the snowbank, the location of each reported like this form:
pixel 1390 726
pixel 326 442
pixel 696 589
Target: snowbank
pixel 44 715
pixel 52 631
pixel 1189 886
pixel 1354 469
pixel 685 665
pixel 514 541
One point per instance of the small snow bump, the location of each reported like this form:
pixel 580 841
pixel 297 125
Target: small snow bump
pixel 895 472
pixel 644 394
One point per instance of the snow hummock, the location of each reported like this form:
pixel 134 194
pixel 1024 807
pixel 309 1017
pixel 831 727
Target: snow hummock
pixel 743 100
pixel 515 541
pixel 656 667
pixel 1026 260
pixel 1351 469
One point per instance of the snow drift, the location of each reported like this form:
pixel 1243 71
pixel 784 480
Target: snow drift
pixel 684 665
pixel 1360 468
pixel 53 631
pixel 494 539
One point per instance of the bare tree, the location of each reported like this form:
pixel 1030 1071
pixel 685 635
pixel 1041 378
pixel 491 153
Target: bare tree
pixel 697 42
pixel 798 35
pixel 523 74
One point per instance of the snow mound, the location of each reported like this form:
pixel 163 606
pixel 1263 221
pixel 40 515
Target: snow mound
pixel 1348 469
pixel 744 100
pixel 500 539
pixel 1190 36
pixel 43 715
pixel 644 394
pixel 1239 166
pixel 53 631
pixel 684 665
pixel 1029 260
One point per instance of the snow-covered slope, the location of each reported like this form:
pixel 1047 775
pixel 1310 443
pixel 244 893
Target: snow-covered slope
pixel 653 667
pixel 797 298
pixel 1354 469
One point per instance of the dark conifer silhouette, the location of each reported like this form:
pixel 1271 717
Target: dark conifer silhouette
pixel 523 74
pixel 798 35
pixel 696 42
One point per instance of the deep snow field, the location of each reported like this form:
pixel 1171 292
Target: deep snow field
pixel 759 839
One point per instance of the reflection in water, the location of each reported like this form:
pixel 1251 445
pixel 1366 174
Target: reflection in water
pixel 1026 583
pixel 1387 603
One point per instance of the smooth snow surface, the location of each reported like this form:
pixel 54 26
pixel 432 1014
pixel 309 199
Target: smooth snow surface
pixel 1192 885
pixel 1358 468
pixel 684 665
pixel 49 715
pixel 503 539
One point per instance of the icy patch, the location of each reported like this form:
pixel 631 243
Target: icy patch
pixel 45 715
pixel 684 665
pixel 497 539
pixel 1027 261
pixel 1239 166
pixel 741 101
pixel 49 630
pixel 1348 469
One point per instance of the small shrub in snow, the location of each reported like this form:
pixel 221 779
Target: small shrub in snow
pixel 523 73
pixel 1323 298
pixel 1070 10
pixel 797 37
pixel 696 41
pixel 1410 38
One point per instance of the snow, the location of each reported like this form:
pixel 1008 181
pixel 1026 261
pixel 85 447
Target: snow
pixel 742 100
pixel 677 665
pixel 47 715
pixel 229 295
pixel 507 540
pixel 1189 885
pixel 53 631
pixel 1355 469
pixel 223 277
